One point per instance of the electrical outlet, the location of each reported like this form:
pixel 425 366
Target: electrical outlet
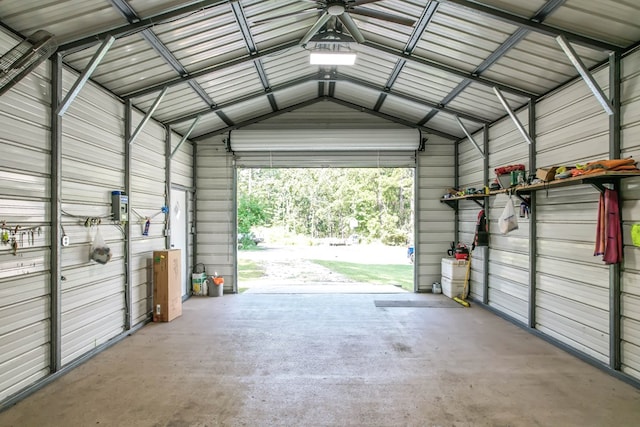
pixel 65 241
pixel 158 311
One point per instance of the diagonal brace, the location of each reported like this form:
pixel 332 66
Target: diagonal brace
pixel 466 132
pixel 86 74
pixel 147 116
pixel 585 74
pixel 513 116
pixel 186 135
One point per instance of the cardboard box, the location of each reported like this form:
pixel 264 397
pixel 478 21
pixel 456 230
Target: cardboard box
pixel 546 174
pixel 167 285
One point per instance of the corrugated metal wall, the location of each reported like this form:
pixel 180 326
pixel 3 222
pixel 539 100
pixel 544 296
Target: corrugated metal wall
pixel 93 296
pixel 572 297
pixel 182 177
pixel 148 190
pixel 435 221
pixel 215 211
pixel 471 175
pixel 25 172
pixel 93 301
pixel 509 254
pixel 630 281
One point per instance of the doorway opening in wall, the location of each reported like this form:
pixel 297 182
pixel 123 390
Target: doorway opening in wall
pixel 325 230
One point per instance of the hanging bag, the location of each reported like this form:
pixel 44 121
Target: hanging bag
pixel 100 252
pixel 508 221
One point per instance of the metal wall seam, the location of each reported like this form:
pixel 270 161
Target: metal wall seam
pixel 56 215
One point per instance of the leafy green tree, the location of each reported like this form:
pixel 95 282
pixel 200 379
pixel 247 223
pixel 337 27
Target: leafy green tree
pixel 252 212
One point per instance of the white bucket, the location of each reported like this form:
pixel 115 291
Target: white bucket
pixel 436 288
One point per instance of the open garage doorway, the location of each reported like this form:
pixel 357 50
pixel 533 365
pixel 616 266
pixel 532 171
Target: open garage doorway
pixel 325 230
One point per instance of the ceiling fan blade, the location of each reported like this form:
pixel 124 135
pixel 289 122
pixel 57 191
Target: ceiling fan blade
pixel 315 28
pixel 363 11
pixel 361 2
pixel 299 15
pixel 351 27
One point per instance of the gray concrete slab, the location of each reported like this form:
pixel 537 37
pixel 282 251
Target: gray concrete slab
pixel 330 360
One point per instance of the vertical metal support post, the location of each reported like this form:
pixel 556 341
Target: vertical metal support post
pixel 615 270
pixel 456 183
pixel 128 148
pixel 167 170
pixel 485 175
pixel 55 344
pixel 533 226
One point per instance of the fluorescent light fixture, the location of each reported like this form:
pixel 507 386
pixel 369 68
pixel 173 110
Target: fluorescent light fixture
pixel 332 58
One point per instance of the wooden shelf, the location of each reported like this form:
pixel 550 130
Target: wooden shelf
pixel 476 198
pixel 598 180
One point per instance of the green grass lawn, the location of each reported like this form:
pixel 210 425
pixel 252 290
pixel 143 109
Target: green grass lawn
pixel 387 274
pixel 249 270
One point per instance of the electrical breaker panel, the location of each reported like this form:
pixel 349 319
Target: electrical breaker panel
pixel 120 206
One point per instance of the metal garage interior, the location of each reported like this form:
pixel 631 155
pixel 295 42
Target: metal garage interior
pixel 151 98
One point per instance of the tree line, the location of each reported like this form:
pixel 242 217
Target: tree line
pixel 374 203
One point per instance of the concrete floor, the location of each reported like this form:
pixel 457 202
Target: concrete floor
pixel 330 360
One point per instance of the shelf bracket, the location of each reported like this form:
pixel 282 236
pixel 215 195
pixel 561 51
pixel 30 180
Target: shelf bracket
pixel 477 202
pixel 524 198
pixel 453 204
pixel 601 185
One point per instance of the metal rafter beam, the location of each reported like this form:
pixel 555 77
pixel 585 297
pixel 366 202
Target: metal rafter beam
pixel 392 118
pixel 218 108
pixel 256 120
pixel 420 26
pixel 215 68
pixel 427 104
pixel 314 101
pixel 127 11
pixel 245 30
pixel 534 25
pixel 547 9
pixel 322 79
pixel 150 21
pixel 450 70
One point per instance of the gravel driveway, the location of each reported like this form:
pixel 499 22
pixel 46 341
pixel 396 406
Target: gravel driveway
pixel 288 269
